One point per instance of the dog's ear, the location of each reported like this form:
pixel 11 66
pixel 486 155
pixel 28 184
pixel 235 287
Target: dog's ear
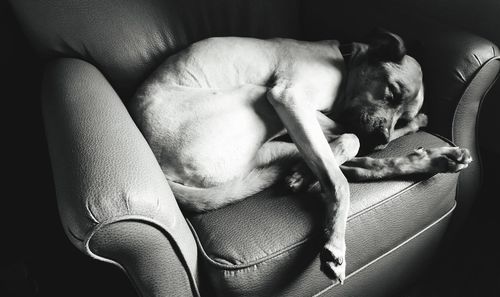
pixel 386 46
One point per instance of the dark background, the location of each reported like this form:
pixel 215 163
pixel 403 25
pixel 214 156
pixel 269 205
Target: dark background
pixel 36 258
pixel 35 255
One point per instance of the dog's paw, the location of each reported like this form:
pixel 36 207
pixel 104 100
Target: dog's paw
pixel 294 181
pixel 451 159
pixel 300 178
pixel 421 120
pixel 333 264
pixel 418 122
pixel 446 159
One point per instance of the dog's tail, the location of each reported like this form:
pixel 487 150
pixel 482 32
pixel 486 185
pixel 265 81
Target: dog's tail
pixel 204 199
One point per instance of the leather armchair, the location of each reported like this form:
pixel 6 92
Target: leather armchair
pixel 116 206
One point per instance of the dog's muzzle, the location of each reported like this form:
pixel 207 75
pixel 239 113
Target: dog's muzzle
pixel 372 132
pixel 380 136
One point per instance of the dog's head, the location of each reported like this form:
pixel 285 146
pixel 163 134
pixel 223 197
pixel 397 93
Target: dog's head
pixel 383 90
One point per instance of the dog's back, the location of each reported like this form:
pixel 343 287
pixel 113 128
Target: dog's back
pixel 205 114
pixel 221 63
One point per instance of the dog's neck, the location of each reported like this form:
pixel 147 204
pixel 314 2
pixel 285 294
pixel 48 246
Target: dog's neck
pixel 347 50
pixel 351 52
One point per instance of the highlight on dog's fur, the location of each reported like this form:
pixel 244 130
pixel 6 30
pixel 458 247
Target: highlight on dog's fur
pixel 196 199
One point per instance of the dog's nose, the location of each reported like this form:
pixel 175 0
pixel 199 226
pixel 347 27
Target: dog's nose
pixel 381 135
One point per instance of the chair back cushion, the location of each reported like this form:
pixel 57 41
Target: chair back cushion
pixel 127 39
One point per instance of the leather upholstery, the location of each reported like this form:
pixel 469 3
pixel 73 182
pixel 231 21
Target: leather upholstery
pixel 256 247
pixel 398 267
pixel 127 39
pixel 459 69
pixel 98 52
pixel 103 168
pixel 136 247
pixel 464 133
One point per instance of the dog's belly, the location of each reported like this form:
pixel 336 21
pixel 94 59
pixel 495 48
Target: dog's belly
pixel 204 137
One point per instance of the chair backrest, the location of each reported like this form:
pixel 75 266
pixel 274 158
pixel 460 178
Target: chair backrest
pixel 127 39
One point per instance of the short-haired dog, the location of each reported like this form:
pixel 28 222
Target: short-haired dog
pixel 215 115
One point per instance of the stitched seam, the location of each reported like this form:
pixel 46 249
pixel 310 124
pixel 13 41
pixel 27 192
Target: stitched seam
pixel 89 211
pixel 246 265
pixel 152 222
pixel 476 122
pixel 391 250
pixel 403 191
pixel 386 200
pixel 70 232
pixel 469 83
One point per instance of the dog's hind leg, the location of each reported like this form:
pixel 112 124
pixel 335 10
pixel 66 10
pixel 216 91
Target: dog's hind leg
pixel 274 152
pixel 269 165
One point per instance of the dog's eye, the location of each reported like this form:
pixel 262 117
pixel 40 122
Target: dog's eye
pixel 392 96
pixel 389 94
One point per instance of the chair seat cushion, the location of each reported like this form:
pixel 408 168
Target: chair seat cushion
pixel 268 244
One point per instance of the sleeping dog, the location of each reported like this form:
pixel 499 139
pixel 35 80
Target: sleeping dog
pixel 214 115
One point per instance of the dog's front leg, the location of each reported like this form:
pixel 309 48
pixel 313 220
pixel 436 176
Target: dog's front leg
pixel 411 126
pixel 421 161
pixel 419 121
pixel 299 118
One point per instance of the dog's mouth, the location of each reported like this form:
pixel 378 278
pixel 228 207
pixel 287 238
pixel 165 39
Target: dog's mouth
pixel 370 130
pixel 370 142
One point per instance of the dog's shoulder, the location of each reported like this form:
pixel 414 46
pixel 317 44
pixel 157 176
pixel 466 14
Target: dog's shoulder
pixel 312 68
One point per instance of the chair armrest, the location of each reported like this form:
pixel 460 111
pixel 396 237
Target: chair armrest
pixel 104 171
pixel 459 69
